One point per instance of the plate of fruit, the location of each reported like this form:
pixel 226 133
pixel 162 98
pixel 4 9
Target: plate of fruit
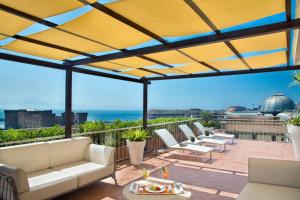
pixel 155 188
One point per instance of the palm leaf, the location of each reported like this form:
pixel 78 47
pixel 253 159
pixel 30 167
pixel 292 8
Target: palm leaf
pixel 296 79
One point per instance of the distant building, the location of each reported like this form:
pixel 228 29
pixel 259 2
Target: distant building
pixel 232 109
pixel 22 119
pixel 277 103
pixel 152 114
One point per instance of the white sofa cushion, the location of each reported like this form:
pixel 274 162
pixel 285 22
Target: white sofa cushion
pixel 48 183
pixel 68 150
pixel 18 175
pixel 86 172
pixel 276 172
pixel 258 191
pixel 100 154
pixel 28 157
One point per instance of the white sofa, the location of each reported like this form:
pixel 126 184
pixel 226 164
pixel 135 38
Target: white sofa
pixel 272 180
pixel 48 169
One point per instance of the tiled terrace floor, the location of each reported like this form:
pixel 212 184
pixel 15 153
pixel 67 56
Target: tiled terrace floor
pixel 220 179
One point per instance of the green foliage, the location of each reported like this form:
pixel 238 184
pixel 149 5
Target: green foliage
pixel 135 135
pixel 167 120
pixel 296 79
pixel 206 116
pixel 295 121
pixel 16 135
pixel 92 126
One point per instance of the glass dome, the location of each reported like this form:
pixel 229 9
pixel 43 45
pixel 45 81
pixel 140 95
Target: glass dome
pixel 276 104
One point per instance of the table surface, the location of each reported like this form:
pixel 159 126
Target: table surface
pixel 131 196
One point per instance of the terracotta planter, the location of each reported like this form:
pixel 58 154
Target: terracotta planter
pixel 294 133
pixel 136 151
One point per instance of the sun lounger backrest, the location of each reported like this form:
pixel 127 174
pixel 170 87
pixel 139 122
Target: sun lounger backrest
pixel 186 131
pixel 200 128
pixel 166 137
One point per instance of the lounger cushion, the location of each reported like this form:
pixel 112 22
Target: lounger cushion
pixel 86 172
pixel 212 141
pixel 48 183
pixel 193 147
pixel 258 191
pixel 28 157
pixel 166 137
pixel 200 127
pixel 68 151
pixel 224 135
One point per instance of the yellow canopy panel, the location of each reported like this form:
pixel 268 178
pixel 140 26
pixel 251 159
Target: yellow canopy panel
pixel 268 60
pixel 170 57
pixel 42 8
pixel 133 62
pixel 61 38
pixel 228 64
pixel 193 68
pixel 137 72
pixel 261 43
pixel 105 29
pixel 168 71
pixel 11 24
pixel 38 50
pixel 208 52
pixel 164 18
pixel 109 66
pixel 227 13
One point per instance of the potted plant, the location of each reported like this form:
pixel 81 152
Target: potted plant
pixel 136 141
pixel 294 133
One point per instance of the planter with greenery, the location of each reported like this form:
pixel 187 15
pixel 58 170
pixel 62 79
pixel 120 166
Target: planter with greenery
pixel 294 133
pixel 136 141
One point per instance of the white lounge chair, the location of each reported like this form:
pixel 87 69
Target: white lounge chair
pixel 201 131
pixel 185 129
pixel 172 144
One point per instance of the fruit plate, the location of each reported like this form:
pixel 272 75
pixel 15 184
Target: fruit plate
pixel 155 188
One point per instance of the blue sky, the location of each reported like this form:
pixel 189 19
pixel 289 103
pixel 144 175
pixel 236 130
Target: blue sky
pixel 35 87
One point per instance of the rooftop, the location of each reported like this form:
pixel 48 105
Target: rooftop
pixel 222 179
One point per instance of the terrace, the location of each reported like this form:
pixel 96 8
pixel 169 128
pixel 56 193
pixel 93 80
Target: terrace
pixel 143 42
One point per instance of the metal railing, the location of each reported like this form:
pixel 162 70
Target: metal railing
pixel 251 129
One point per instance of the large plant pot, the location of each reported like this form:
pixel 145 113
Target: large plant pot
pixel 294 133
pixel 136 151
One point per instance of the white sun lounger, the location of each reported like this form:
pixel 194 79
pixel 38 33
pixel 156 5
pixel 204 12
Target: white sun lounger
pixel 201 131
pixel 172 144
pixel 185 129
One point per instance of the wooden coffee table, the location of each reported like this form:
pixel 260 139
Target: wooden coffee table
pixel 131 196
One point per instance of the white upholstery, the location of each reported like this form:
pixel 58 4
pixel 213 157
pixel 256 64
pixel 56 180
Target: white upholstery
pixel 258 191
pixel 187 131
pixel 86 172
pixel 272 180
pixel 171 142
pixel 17 174
pixel 166 137
pixel 224 135
pixel 49 169
pixel 68 150
pixel 107 154
pixel 29 157
pixel 275 172
pixel 200 128
pixel 48 183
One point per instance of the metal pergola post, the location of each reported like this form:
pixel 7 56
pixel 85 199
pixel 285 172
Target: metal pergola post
pixel 145 104
pixel 68 104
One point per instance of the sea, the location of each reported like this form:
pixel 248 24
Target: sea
pixel 93 115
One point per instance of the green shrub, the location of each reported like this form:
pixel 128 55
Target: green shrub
pixel 295 121
pixel 92 126
pixel 135 135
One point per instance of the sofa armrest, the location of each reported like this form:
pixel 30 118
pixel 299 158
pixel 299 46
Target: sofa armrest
pixel 18 175
pixel 100 154
pixel 274 172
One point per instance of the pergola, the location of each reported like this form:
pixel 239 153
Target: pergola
pixel 147 40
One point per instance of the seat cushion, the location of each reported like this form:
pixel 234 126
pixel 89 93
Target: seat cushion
pixel 224 135
pixel 28 157
pixel 48 183
pixel 258 191
pixel 68 150
pixel 86 172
